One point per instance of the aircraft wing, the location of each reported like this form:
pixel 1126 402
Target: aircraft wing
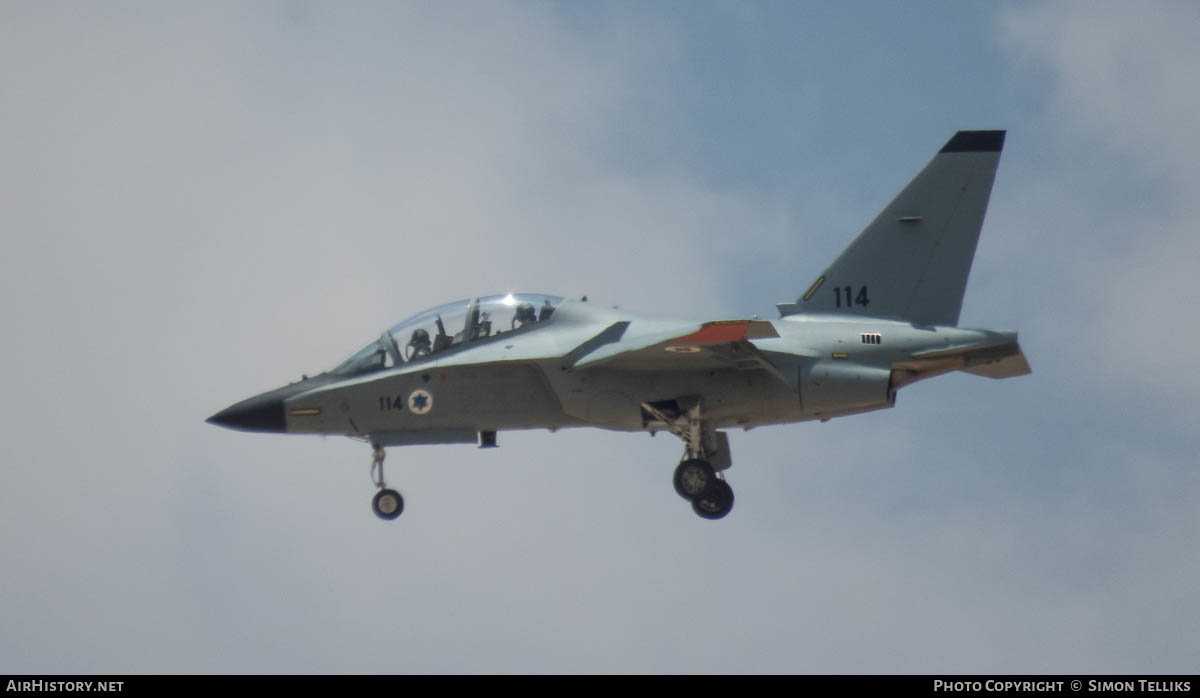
pixel 707 346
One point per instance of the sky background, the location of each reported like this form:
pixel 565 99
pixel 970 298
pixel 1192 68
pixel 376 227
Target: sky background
pixel 199 202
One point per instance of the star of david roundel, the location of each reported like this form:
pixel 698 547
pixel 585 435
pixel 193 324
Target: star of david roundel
pixel 420 401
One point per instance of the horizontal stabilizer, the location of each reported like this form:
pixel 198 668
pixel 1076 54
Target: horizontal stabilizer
pixel 1008 367
pixel 1000 359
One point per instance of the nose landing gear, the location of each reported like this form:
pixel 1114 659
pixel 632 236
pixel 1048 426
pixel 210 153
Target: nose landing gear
pixel 387 504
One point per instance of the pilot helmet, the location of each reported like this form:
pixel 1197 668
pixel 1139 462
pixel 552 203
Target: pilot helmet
pixel 525 314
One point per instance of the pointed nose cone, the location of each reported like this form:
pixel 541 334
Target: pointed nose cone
pixel 265 412
pixel 261 413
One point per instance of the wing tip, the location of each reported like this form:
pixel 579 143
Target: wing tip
pixel 975 142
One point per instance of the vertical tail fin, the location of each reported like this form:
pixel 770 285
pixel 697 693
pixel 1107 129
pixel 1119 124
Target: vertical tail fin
pixel 913 260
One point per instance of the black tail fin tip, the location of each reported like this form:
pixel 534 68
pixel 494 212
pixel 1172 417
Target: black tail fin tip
pixel 975 142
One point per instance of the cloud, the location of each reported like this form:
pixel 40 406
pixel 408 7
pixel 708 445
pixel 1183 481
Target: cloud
pixel 1117 105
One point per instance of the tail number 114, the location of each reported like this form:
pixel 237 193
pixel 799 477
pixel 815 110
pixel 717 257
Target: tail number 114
pixel 849 299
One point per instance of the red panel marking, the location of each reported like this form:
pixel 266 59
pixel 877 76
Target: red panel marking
pixel 716 333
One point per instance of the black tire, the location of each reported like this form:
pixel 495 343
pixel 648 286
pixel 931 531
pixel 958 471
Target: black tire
pixel 716 502
pixel 692 478
pixel 387 504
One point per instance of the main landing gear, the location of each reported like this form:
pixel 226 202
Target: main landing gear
pixel 698 478
pixel 710 495
pixel 387 504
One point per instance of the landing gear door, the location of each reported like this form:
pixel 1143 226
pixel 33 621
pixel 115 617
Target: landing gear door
pixel 716 446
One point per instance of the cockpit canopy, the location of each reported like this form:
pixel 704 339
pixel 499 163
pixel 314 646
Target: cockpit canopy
pixel 450 327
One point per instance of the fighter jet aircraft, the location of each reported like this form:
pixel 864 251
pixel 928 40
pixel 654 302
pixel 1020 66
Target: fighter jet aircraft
pixel 882 316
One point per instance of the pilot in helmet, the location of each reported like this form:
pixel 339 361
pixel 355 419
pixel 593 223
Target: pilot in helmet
pixel 420 344
pixel 525 315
